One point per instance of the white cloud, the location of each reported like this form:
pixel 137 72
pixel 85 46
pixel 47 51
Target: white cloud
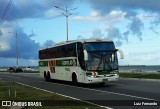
pixel 96 16
pixel 116 15
pixel 86 31
pixel 4 46
pixel 139 57
pixel 4 38
pixel 97 33
pixel 93 16
pixel 51 13
pixel 146 16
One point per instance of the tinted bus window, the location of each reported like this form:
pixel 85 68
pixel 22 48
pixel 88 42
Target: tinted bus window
pixel 68 50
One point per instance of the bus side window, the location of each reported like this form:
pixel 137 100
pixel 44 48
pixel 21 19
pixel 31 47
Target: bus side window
pixel 71 51
pixel 62 51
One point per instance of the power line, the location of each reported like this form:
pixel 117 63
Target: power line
pixel 1 4
pixel 5 11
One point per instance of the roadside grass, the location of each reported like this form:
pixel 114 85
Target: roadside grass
pixel 53 101
pixel 136 75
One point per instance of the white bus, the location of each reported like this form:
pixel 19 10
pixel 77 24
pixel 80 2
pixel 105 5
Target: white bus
pixel 80 61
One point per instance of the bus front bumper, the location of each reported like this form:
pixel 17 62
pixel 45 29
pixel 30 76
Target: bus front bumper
pixel 102 79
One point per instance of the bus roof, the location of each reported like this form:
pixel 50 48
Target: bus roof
pixel 81 40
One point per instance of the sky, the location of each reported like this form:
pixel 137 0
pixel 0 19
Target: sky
pixel 133 25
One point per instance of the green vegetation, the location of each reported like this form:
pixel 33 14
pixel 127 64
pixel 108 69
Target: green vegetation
pixel 135 75
pixel 26 94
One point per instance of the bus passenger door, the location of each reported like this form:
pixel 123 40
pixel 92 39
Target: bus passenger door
pixel 80 75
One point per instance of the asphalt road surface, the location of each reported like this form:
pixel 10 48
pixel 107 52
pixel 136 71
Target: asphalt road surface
pixel 122 94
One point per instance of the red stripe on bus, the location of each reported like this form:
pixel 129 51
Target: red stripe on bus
pixel 54 62
pixel 50 66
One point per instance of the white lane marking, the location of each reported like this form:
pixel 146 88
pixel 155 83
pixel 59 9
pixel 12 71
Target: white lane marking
pixel 0 78
pixel 105 91
pixel 63 95
pixel 12 76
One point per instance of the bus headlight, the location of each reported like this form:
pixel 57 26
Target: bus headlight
pixel 115 74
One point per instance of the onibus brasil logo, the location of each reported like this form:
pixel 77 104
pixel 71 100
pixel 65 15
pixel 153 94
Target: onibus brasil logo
pixel 15 103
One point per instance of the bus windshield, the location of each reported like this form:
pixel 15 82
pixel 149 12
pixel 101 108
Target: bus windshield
pixel 102 56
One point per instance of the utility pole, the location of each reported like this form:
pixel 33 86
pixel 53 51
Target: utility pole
pixel 16 36
pixel 67 14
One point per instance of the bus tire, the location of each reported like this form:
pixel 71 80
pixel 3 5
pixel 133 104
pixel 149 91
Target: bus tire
pixel 74 79
pixel 44 75
pixel 48 77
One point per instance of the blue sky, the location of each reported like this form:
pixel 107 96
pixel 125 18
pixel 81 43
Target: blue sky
pixel 134 26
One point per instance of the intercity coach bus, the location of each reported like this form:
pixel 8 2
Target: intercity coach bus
pixel 80 61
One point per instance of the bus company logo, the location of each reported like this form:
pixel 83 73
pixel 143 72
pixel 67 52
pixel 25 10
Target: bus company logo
pixel 6 103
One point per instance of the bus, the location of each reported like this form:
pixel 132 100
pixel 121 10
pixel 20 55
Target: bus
pixel 80 61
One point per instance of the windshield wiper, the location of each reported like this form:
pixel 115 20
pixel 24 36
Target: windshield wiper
pixel 110 68
pixel 99 63
pixel 103 59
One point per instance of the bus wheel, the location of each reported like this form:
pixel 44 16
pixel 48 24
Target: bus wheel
pixel 74 79
pixel 47 77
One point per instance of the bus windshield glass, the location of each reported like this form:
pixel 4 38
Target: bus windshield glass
pixel 102 56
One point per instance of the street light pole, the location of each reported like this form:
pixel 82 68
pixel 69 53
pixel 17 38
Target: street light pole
pixel 67 14
pixel 67 23
pixel 16 36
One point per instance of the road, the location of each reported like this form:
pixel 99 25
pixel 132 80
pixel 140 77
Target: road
pixel 123 92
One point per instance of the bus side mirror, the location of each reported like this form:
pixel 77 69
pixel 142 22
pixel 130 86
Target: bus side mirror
pixel 121 53
pixel 85 55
